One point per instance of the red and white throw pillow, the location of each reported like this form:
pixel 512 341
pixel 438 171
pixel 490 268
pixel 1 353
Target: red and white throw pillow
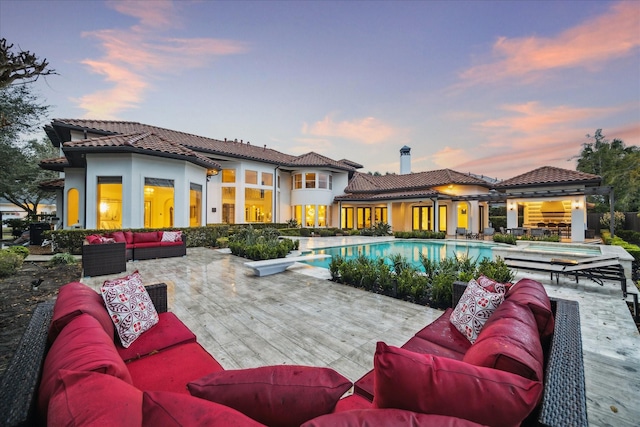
pixel 493 286
pixel 129 306
pixel 172 236
pixel 474 308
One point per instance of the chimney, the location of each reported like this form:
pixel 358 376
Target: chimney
pixel 405 160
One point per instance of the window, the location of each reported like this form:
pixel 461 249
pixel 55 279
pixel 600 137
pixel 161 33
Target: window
pixel 73 207
pixel 228 205
pixel 309 215
pixel 309 180
pixel 267 178
pixel 297 214
pixel 380 214
pixel 297 180
pixel 195 205
pixel 228 175
pixel 330 182
pixel 363 217
pixel 158 202
pixel 346 220
pixel 109 202
pixel 442 218
pixel 250 177
pixel 323 180
pixel 422 218
pixel 323 213
pixel 258 205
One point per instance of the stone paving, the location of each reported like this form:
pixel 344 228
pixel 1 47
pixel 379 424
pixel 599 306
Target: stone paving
pixel 299 317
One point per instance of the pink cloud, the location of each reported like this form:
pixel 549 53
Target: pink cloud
pixel 368 130
pixel 447 156
pixel 135 56
pixel 589 45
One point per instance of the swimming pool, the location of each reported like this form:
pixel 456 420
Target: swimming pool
pixel 410 249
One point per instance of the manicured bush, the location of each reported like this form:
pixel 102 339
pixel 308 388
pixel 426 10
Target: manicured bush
pixel 10 262
pixel 496 270
pixel 248 242
pixel 64 258
pixel 504 238
pixel 18 250
pixel 420 234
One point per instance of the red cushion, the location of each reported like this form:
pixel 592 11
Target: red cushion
pixel 83 345
pixel 441 331
pixel 146 236
pixel 90 398
pixel 168 332
pixel 172 369
pixel 118 236
pixel 423 346
pixel 146 244
pixel 531 293
pixel 509 341
pixel 352 402
pixel 364 386
pixel 74 299
pixel 437 385
pixel 280 395
pixel 166 409
pixel 387 417
pixel 128 235
pixel 93 239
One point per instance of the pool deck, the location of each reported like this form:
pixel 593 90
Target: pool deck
pixel 299 317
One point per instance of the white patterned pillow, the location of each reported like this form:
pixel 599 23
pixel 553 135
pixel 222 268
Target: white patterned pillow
pixel 491 285
pixel 171 236
pixel 474 308
pixel 129 306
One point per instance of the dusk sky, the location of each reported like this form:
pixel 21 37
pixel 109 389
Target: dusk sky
pixel 494 88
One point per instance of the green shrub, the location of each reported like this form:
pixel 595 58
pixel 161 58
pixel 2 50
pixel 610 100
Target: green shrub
pixel 18 250
pixel 10 262
pixel 64 258
pixel 442 288
pixel 504 238
pixel 420 234
pixel 496 270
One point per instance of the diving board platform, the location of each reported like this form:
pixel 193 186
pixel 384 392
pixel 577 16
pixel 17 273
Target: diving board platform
pixel 278 265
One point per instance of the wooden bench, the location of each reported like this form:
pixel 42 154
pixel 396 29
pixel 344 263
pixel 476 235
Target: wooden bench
pixel 278 265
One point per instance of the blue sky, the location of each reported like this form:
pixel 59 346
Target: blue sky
pixel 494 88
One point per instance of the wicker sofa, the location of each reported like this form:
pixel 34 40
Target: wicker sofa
pixel 563 399
pixel 99 258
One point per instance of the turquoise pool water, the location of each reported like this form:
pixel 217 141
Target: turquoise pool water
pixel 410 249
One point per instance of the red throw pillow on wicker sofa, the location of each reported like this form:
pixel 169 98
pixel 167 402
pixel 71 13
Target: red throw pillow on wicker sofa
pixel 437 385
pixel 509 341
pixel 146 236
pixel 387 417
pixel 91 398
pixel 280 395
pixel 74 299
pixel 531 293
pixel 118 236
pixel 167 409
pixel 83 345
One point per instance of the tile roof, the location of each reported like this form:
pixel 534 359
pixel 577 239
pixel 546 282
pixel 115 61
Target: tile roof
pixel 315 159
pixel 142 142
pixel 52 184
pixel 55 164
pixel 206 146
pixel 365 183
pixel 388 195
pixel 548 175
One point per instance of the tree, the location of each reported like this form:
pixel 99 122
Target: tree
pixel 21 66
pixel 22 174
pixel 619 167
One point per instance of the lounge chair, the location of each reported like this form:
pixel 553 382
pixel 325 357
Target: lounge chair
pixel 597 268
pixel 488 231
pixel 461 231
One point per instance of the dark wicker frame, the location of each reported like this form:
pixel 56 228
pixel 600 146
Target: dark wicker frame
pixel 101 259
pixel 19 383
pixel 564 401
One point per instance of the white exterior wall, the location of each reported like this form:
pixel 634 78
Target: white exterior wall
pixel 133 169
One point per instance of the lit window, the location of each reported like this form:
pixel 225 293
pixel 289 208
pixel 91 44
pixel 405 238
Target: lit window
pixel 309 180
pixel 267 178
pixel 297 181
pixel 109 202
pixel 228 175
pixel 158 202
pixel 250 177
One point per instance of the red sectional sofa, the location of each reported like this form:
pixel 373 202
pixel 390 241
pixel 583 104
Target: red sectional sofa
pixel 108 253
pixel 69 368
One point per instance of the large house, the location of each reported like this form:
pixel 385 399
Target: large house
pixel 131 175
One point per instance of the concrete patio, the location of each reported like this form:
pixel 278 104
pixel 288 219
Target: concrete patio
pixel 300 317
